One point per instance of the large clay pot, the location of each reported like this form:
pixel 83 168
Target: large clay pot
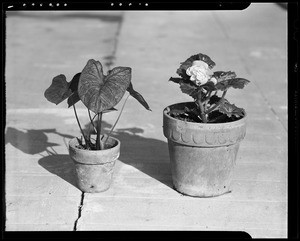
pixel 94 169
pixel 202 155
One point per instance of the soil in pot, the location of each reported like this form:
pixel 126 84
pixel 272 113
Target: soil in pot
pixel 189 113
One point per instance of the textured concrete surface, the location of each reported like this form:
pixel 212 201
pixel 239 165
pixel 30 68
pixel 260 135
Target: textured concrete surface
pixel 39 172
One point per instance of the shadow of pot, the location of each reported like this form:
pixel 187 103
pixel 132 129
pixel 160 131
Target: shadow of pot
pixel 202 155
pixel 94 169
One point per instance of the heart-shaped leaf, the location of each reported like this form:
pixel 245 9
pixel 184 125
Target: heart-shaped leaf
pixel 137 96
pixel 73 86
pixel 73 99
pixel 58 90
pixel 74 82
pixel 99 92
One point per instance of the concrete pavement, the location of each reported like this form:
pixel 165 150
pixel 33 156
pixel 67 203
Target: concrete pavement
pixel 39 172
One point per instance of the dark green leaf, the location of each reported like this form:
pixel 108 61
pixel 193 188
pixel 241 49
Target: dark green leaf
pixel 207 60
pixel 176 80
pixel 58 90
pixel 222 75
pixel 189 89
pixel 137 96
pixel 214 99
pixel 230 109
pixel 237 83
pixel 73 99
pixel 209 86
pixel 74 82
pixel 73 86
pixel 99 92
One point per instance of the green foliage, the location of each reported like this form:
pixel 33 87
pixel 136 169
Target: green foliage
pixel 138 96
pixel 222 75
pixel 210 107
pixel 189 88
pixel 58 90
pixel 230 109
pixel 209 86
pixel 237 83
pixel 98 92
pixel 214 99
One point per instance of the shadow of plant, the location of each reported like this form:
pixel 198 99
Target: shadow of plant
pixel 32 141
pixel 148 155
pixel 60 165
pixel 35 142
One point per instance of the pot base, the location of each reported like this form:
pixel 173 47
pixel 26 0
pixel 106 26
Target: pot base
pixel 94 178
pixel 202 172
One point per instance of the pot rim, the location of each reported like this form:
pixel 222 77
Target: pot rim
pixel 166 109
pixel 73 140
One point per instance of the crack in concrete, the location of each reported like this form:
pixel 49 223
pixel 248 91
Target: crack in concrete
pixel 262 94
pixel 79 211
pixel 111 59
pixel 224 30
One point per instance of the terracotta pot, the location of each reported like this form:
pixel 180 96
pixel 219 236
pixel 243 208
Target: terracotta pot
pixel 202 155
pixel 94 169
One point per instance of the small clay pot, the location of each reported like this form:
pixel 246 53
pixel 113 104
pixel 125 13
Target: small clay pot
pixel 94 168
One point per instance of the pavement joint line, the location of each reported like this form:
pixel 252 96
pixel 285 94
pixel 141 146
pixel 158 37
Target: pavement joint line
pixel 79 211
pixel 220 24
pixel 184 198
pixel 269 105
pixel 223 28
pixel 116 41
pixel 187 226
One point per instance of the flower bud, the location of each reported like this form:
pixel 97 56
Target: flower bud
pixel 214 80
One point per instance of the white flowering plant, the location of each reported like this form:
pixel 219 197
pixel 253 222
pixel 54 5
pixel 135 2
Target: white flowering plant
pixel 199 81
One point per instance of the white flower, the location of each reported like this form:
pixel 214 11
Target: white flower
pixel 200 63
pixel 198 72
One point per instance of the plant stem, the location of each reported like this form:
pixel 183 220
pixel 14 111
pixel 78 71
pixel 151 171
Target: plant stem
pixel 207 99
pixel 86 141
pixel 99 145
pixel 219 102
pixel 202 113
pixel 111 130
pixel 92 121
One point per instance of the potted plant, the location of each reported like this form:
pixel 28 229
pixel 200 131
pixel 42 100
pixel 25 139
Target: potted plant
pixel 204 135
pixel 94 158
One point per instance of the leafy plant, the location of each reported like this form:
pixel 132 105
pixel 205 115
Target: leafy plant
pixel 98 92
pixel 197 80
